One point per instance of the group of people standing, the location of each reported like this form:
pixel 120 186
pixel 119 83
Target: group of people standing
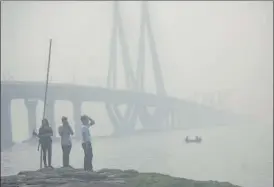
pixel 65 132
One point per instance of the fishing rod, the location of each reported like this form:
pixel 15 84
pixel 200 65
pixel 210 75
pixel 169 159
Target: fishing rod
pixel 45 98
pixel 46 92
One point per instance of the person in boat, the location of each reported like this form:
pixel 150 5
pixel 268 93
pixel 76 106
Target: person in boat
pixel 65 132
pixel 87 122
pixel 45 134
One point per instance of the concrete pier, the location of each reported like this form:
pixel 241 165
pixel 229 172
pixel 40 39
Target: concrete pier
pixel 6 126
pixel 77 109
pixel 31 106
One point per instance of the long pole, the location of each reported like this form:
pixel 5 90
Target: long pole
pixel 46 92
pixel 47 80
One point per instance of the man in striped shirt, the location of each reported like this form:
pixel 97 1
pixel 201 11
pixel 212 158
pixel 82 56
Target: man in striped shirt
pixel 87 122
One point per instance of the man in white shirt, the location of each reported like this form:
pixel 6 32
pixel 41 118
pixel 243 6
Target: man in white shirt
pixel 87 122
pixel 65 131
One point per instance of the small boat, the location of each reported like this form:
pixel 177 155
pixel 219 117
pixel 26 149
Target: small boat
pixel 196 140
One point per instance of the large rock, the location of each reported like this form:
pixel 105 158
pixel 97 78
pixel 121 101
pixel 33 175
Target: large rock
pixel 69 177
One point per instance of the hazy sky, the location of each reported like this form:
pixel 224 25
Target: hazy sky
pixel 203 46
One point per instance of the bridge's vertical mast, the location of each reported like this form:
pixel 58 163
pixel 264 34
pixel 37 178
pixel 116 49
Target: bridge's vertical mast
pixel 134 80
pixel 140 72
pixel 160 89
pixel 111 78
pixel 118 33
pixel 161 113
pixel 146 26
pixel 119 120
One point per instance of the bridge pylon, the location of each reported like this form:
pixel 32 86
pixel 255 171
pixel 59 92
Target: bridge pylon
pixel 134 79
pixel 127 121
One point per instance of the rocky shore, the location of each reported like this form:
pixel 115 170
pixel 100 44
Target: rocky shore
pixel 69 177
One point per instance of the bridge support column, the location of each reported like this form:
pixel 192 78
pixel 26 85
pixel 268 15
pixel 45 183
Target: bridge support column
pixel 50 115
pixel 77 110
pixel 123 123
pixel 31 107
pixel 112 118
pixel 155 121
pixel 6 126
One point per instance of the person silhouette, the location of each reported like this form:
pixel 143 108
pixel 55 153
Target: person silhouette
pixel 45 134
pixel 87 122
pixel 65 132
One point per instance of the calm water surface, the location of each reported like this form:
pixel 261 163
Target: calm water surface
pixel 242 155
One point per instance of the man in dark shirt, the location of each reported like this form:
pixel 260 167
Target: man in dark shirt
pixel 45 133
